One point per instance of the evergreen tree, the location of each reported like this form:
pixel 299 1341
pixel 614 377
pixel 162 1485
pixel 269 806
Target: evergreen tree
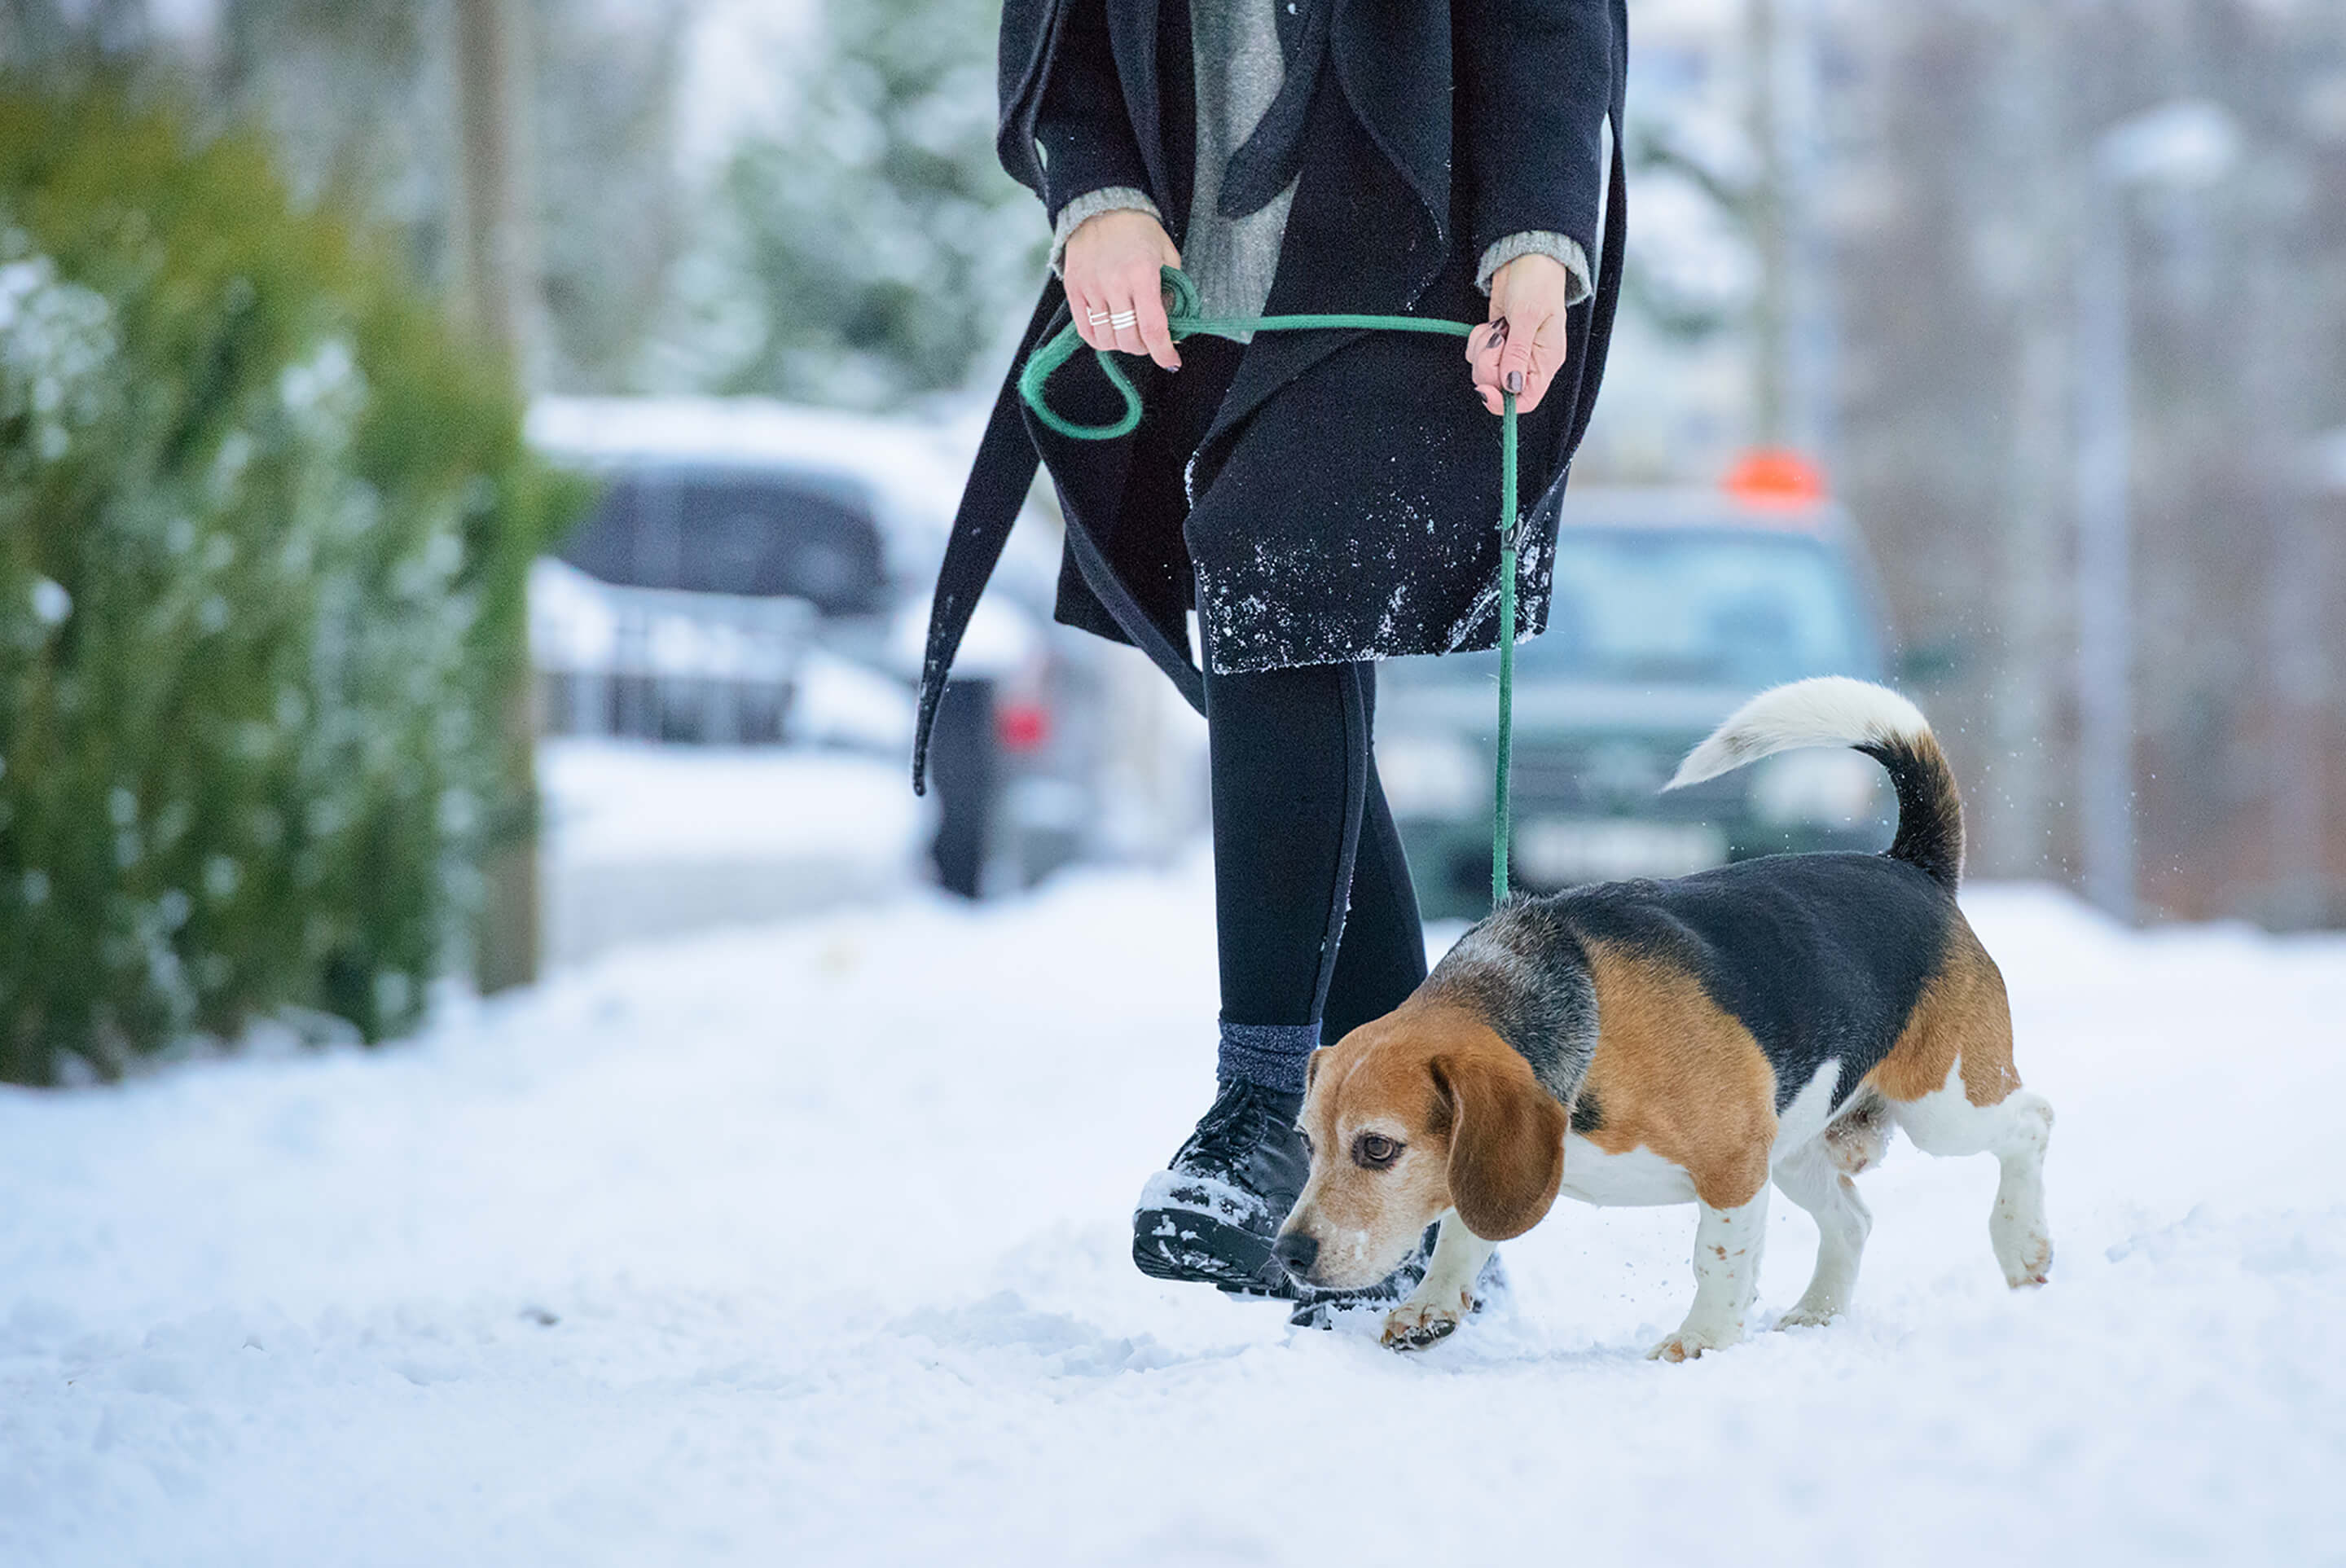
pixel 264 528
pixel 870 248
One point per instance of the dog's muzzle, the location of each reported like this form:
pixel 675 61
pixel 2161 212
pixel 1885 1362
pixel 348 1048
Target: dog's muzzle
pixel 1297 1253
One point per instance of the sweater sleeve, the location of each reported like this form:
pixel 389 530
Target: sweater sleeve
pixel 1091 204
pixel 1562 248
pixel 1537 76
pixel 1080 121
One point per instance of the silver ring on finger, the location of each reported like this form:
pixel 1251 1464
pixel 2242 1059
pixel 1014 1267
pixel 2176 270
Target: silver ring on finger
pixel 1100 318
pixel 1122 319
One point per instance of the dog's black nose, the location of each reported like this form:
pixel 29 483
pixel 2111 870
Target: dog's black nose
pixel 1297 1253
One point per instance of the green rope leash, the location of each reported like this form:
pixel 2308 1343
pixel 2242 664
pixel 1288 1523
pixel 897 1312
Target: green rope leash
pixel 1499 831
pixel 1184 317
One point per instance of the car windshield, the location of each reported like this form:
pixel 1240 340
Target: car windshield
pixel 1692 606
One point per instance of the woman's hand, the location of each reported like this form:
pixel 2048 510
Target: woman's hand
pixel 1110 267
pixel 1522 347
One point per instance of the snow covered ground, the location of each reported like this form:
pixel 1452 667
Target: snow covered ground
pixel 806 1245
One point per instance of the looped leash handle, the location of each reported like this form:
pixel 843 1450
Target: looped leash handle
pixel 1182 315
pixel 1185 318
pixel 1043 361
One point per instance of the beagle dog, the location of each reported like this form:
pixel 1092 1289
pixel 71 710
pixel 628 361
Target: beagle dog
pixel 1686 1041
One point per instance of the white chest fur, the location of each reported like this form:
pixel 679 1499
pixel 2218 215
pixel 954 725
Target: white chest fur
pixel 1642 1177
pixel 1639 1177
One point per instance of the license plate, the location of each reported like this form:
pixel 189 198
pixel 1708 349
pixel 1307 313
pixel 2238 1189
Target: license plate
pixel 1562 851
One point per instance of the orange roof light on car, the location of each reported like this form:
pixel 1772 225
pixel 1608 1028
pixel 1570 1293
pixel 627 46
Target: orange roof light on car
pixel 1776 478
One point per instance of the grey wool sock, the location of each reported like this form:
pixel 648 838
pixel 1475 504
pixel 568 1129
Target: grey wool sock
pixel 1269 1054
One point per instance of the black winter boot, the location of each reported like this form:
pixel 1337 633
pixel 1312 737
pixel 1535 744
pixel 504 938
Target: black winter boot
pixel 1213 1214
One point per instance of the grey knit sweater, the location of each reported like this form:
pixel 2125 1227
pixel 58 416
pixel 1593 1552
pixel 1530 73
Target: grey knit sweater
pixel 1232 260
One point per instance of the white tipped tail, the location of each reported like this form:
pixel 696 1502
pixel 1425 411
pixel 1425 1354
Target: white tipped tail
pixel 1830 710
pixel 1834 710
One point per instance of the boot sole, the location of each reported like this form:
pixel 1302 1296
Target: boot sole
pixel 1180 1243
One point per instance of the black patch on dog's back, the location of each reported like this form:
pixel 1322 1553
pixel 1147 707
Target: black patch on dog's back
pixel 1820 956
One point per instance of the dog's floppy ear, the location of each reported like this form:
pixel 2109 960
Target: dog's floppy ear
pixel 1506 1140
pixel 1311 1066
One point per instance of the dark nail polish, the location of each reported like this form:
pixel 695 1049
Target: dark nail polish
pixel 1514 381
pixel 1499 331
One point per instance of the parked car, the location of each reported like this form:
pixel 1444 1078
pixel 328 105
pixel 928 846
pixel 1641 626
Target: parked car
pixel 1671 607
pixel 748 575
pixel 665 664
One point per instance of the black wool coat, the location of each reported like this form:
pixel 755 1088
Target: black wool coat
pixel 1343 503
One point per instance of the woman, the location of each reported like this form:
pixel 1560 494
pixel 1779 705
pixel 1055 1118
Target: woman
pixel 1320 500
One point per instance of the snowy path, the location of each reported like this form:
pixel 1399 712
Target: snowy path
pixel 807 1246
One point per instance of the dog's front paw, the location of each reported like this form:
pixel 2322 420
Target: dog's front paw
pixel 1689 1343
pixel 1414 1324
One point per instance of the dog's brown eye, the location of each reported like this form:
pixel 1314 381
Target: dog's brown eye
pixel 1375 1150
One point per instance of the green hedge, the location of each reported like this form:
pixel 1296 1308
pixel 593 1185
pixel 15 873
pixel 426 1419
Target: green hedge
pixel 264 526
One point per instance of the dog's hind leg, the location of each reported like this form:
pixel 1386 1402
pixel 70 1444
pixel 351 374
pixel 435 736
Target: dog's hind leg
pixel 1812 1179
pixel 2015 1130
pixel 1951 1085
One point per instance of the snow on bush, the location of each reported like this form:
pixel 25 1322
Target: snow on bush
pixel 262 535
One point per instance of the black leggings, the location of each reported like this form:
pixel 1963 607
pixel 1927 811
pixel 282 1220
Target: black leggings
pixel 1301 832
pixel 1300 826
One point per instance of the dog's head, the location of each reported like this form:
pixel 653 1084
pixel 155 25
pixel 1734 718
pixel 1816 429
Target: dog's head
pixel 1420 1112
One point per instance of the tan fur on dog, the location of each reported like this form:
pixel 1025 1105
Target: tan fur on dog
pixel 1479 1133
pixel 1963 1017
pixel 1506 1136
pixel 1675 1073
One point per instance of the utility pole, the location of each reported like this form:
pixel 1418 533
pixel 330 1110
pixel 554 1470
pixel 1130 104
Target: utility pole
pixel 2297 590
pixel 497 297
pixel 2022 717
pixel 2104 555
pixel 2182 144
pixel 497 256
pixel 1811 283
pixel 1770 229
pixel 2299 814
pixel 2302 835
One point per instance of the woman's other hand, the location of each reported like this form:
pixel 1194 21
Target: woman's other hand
pixel 1110 267
pixel 1522 347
